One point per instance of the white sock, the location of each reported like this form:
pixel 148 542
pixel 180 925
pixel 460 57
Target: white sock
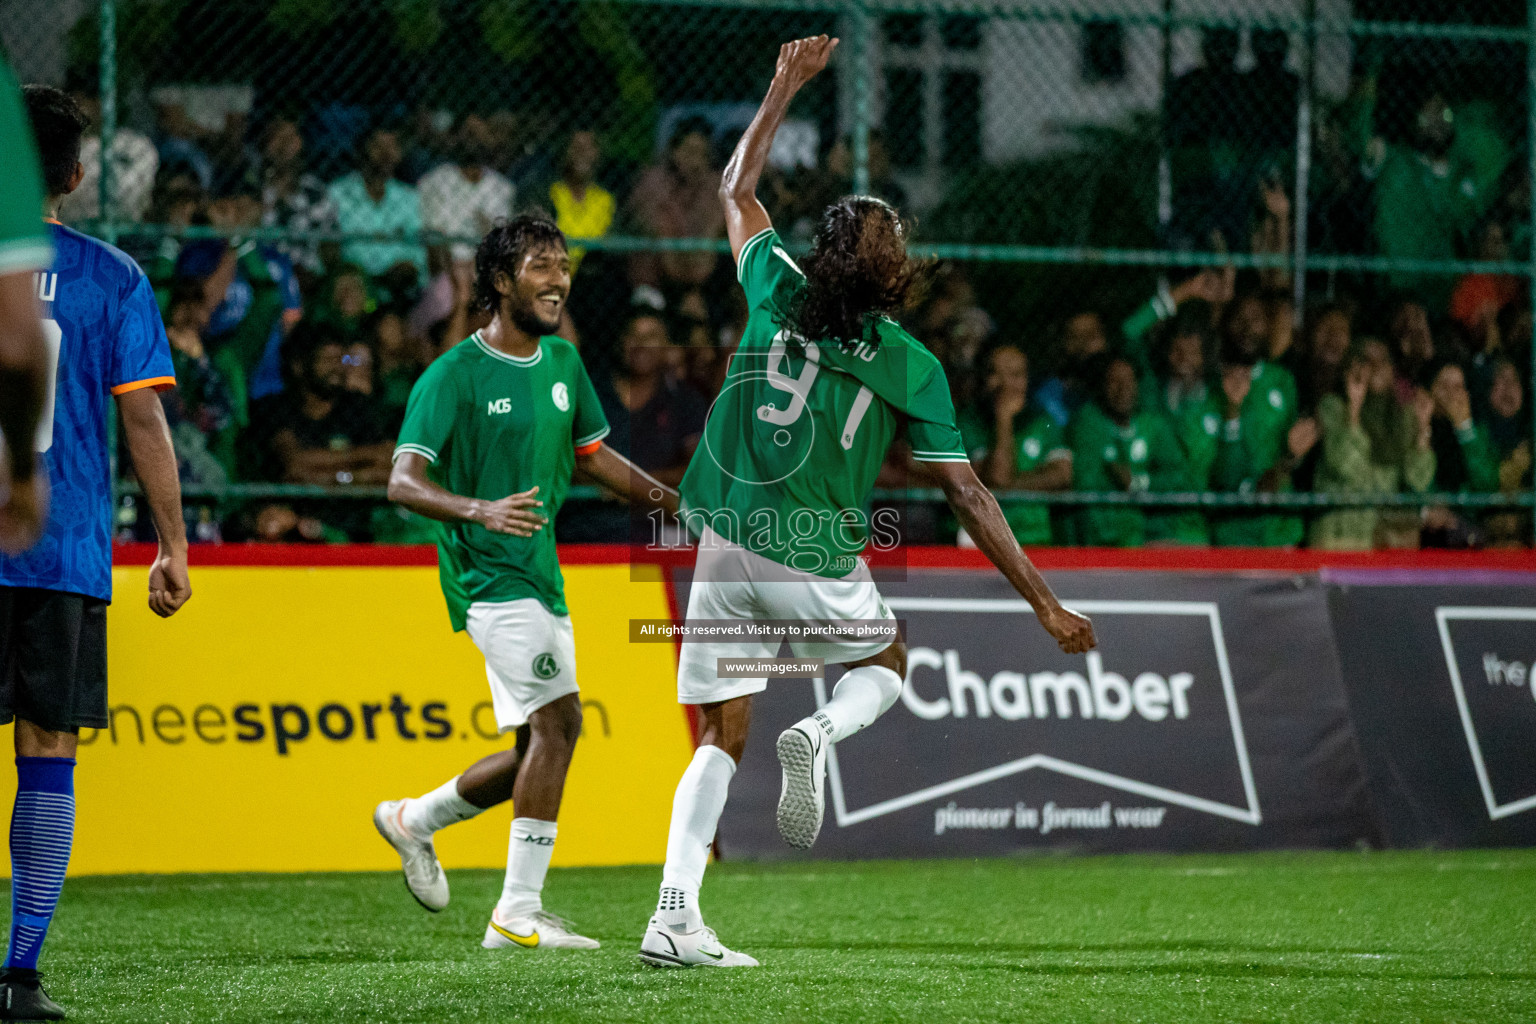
pixel 695 814
pixel 438 809
pixel 531 844
pixel 860 697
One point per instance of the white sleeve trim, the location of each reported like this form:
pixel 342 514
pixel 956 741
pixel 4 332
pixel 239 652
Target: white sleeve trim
pixel 582 442
pixel 23 254
pixel 741 258
pixel 940 456
pixel 418 449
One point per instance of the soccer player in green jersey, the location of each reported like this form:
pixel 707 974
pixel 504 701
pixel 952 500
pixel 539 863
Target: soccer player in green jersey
pixel 776 492
pixel 24 250
pixel 493 430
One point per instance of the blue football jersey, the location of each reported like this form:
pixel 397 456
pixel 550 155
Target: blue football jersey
pixel 105 338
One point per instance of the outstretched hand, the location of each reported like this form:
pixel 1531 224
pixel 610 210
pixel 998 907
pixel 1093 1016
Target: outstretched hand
pixel 1072 630
pixel 803 59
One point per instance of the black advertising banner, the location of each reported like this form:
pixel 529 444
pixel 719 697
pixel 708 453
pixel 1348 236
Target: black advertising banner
pixel 1211 717
pixel 1442 695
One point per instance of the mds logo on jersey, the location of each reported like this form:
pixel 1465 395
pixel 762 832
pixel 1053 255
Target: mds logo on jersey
pixel 498 405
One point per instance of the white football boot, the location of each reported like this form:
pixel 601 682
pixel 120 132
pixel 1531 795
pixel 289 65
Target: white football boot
pixel 418 859
pixel 538 930
pixel 664 947
pixel 802 799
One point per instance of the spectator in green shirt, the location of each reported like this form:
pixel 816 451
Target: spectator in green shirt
pixel 1371 444
pixel 1260 443
pixel 1015 446
pixel 1430 192
pixel 1115 447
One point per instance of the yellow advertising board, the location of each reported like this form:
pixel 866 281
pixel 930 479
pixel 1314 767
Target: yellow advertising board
pixel 257 729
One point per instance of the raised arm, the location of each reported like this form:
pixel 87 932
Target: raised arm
pixel 799 62
pixel 621 476
pixel 978 513
pixel 410 487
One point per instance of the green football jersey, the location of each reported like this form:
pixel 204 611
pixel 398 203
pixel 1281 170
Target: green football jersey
pixel 24 241
pixel 1040 441
pixel 1149 453
pixel 493 425
pixel 1247 449
pixel 794 441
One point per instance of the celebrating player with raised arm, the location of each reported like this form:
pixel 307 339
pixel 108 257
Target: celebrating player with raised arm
pixel 776 491
pixel 492 433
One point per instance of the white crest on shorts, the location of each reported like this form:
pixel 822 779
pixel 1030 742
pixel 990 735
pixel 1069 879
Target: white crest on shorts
pixel 562 396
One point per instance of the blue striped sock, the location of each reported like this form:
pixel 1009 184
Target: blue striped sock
pixel 42 830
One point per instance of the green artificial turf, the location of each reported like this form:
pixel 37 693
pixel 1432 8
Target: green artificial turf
pixel 1281 937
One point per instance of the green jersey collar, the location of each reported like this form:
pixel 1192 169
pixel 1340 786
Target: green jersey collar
pixel 514 360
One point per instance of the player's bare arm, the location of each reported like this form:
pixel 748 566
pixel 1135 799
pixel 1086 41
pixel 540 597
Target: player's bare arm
pixel 621 476
pixel 23 383
pixel 799 62
pixel 977 511
pixel 410 487
pixel 154 463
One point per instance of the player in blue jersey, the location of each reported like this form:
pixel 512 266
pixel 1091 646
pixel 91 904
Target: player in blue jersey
pixel 24 250
pixel 101 318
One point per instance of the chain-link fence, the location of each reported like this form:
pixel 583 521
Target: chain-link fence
pixel 1332 195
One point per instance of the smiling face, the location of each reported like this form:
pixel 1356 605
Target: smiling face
pixel 534 299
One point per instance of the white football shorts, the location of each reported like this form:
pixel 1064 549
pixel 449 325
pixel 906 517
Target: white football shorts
pixel 530 656
pixel 730 582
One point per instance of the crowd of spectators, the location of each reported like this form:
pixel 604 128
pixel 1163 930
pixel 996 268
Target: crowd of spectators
pixel 295 356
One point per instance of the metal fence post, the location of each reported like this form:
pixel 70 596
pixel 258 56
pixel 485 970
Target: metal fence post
pixel 1164 162
pixel 1299 207
pixel 862 54
pixel 1530 145
pixel 108 70
pixel 106 188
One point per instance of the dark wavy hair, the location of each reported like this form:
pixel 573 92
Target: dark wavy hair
pixel 502 251
pixel 857 270
pixel 58 124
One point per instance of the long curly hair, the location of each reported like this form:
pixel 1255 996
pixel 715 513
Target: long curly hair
pixel 857 270
pixel 502 251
